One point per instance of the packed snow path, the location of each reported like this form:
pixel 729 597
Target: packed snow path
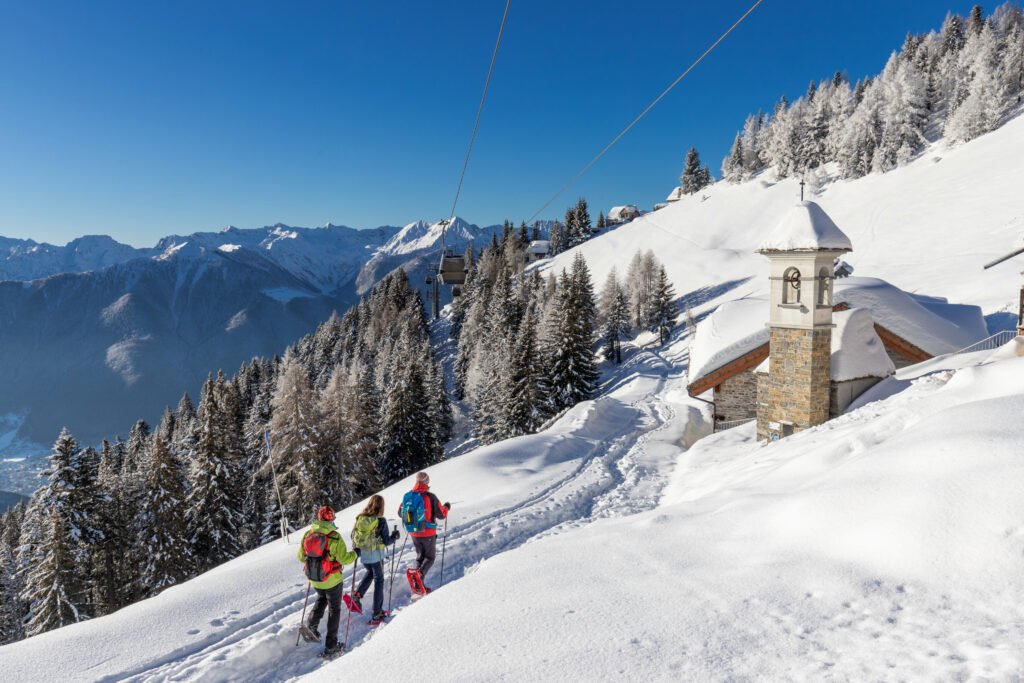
pixel 604 458
pixel 618 450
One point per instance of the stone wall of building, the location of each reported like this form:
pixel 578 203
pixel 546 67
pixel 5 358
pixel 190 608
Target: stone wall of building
pixel 736 398
pixel 796 390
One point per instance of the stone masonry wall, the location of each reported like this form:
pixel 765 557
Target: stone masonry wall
pixel 736 398
pixel 796 389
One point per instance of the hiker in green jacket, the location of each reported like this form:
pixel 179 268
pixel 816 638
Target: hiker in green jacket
pixel 324 553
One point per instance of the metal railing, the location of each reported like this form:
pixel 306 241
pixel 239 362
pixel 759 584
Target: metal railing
pixel 993 342
pixel 730 424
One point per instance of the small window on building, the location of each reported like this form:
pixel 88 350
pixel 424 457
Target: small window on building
pixel 791 286
pixel 824 288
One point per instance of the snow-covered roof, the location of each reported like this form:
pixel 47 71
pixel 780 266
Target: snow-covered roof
pixel 617 212
pixel 806 227
pixel 901 314
pixel 735 329
pixel 539 247
pixel 857 352
pixel 674 195
pixel 738 327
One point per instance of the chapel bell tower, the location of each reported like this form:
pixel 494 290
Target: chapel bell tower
pixel 802 249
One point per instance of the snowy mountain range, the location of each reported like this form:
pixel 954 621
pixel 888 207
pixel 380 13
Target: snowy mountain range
pixel 95 333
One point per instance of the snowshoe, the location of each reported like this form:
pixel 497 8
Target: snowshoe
pixel 310 635
pixel 333 651
pixel 353 603
pixel 379 618
pixel 416 582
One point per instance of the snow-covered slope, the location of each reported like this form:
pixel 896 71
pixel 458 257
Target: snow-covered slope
pixel 886 544
pixel 603 458
pixel 927 228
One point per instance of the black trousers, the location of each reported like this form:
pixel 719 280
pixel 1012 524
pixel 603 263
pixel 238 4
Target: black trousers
pixel 426 553
pixel 330 598
pixel 375 573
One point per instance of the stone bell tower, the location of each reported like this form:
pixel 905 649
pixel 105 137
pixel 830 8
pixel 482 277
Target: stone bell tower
pixel 795 393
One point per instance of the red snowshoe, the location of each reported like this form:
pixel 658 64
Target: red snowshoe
pixel 379 618
pixel 353 603
pixel 416 582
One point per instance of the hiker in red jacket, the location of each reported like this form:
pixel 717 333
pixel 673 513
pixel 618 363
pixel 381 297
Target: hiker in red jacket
pixel 425 539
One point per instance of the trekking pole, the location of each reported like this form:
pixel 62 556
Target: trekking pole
pixel 348 622
pixel 394 568
pixel 444 539
pixel 303 619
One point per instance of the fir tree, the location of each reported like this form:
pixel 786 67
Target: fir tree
pixel 524 235
pixel 614 316
pixel 293 436
pixel 51 579
pixel 163 530
pixel 665 312
pixel 215 499
pixel 692 177
pixel 570 373
pixel 733 168
pixel 521 399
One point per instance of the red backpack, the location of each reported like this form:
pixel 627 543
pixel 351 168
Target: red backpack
pixel 319 564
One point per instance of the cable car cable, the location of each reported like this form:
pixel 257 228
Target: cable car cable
pixel 476 126
pixel 644 112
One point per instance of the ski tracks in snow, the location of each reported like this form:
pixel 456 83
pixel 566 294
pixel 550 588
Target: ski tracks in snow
pixel 626 444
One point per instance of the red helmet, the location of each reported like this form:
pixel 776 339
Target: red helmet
pixel 326 514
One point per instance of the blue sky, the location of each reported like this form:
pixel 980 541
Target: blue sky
pixel 140 119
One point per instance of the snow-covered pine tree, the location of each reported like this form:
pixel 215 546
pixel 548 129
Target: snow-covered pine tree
pixel 115 575
pixel 162 528
pixel 215 498
pixel 581 223
pixel 614 316
pixel 87 503
pixel 405 433
pixel 732 166
pixel 51 580
pixel 981 110
pixel 556 239
pixel 665 313
pixel 522 409
pixel 691 178
pixel 332 439
pixel 293 437
pixel 12 609
pixel 570 372
pixel 137 448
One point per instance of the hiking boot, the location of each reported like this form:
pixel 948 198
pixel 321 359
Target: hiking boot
pixel 378 618
pixel 333 651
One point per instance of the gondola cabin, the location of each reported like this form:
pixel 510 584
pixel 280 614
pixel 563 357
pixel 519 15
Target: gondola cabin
pixel 452 270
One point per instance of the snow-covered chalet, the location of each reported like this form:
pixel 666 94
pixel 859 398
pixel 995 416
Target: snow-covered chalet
pixel 869 326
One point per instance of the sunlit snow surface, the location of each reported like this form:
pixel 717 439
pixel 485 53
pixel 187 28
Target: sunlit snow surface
pixel 887 544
